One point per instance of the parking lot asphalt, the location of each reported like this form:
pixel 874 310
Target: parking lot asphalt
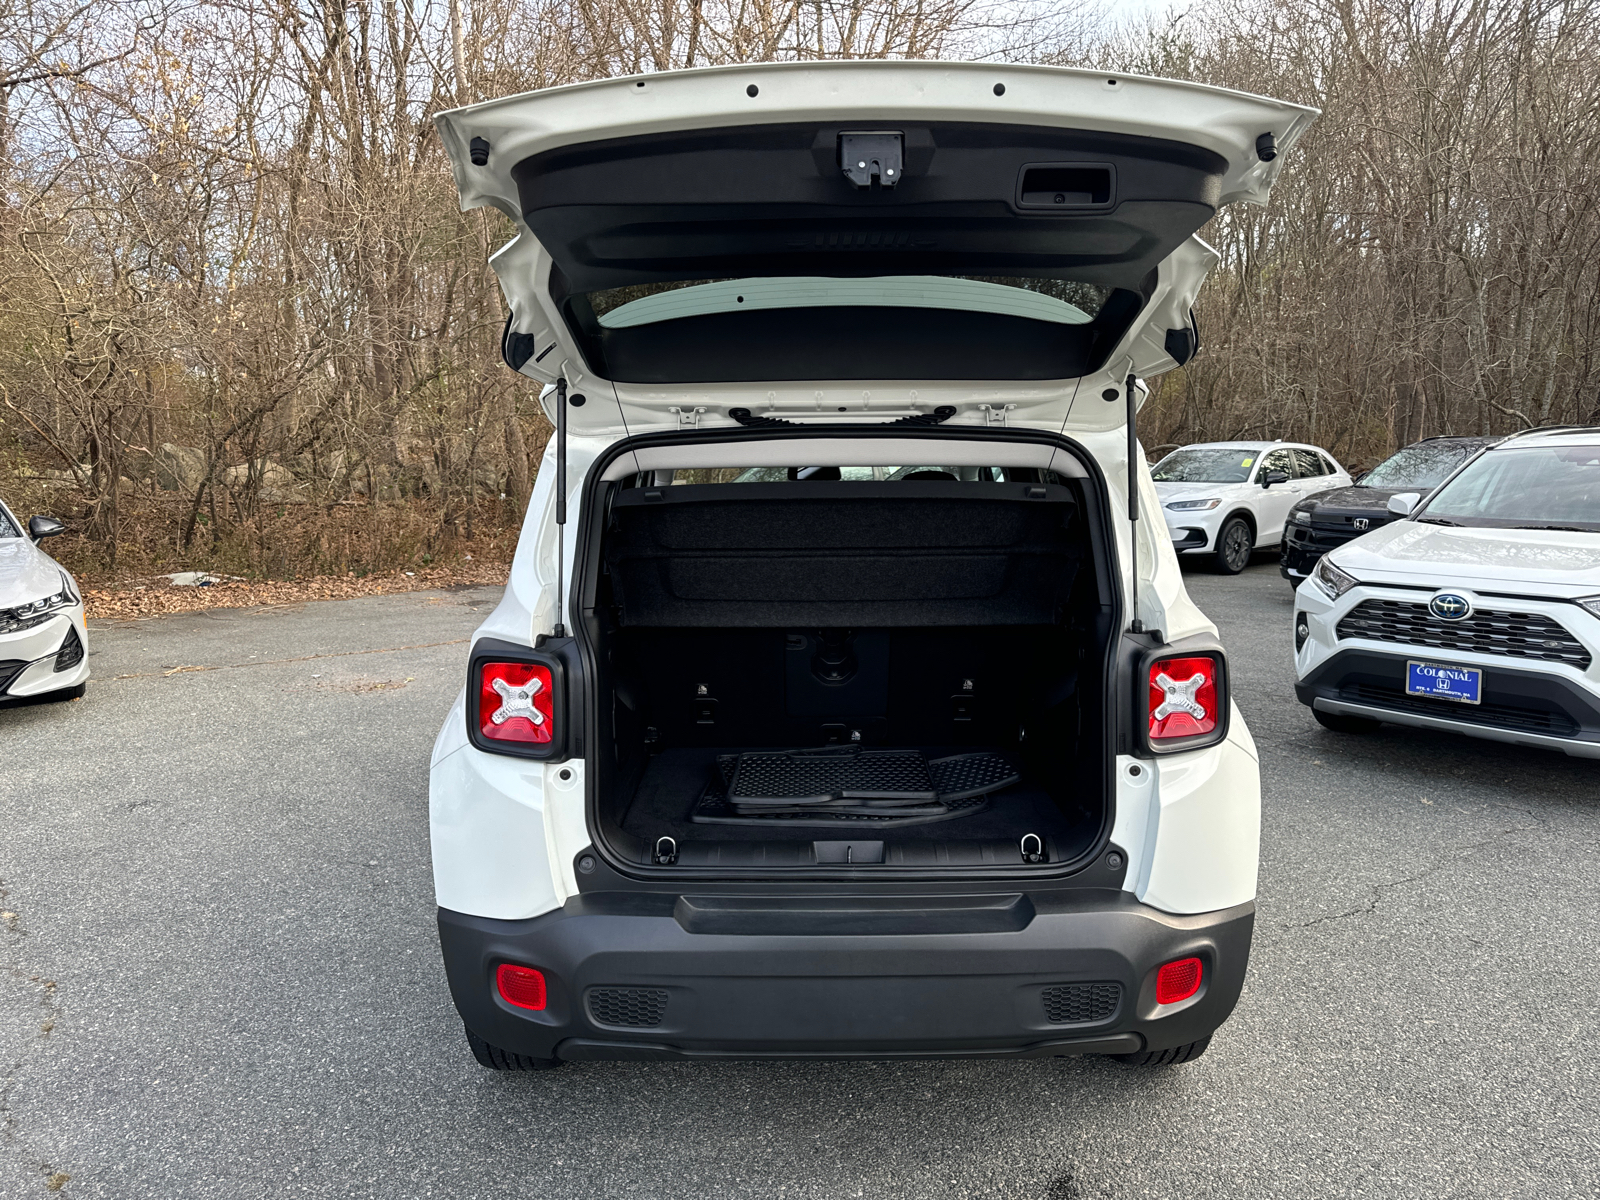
pixel 219 972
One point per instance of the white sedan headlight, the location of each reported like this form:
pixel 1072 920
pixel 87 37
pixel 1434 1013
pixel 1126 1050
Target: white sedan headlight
pixel 1332 580
pixel 36 612
pixel 1192 505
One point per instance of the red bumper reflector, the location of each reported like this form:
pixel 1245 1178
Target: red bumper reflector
pixel 522 986
pixel 1174 982
pixel 1183 697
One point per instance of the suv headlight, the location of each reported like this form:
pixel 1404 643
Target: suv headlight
pixel 1331 580
pixel 36 612
pixel 1192 505
pixel 1590 604
pixel 1302 516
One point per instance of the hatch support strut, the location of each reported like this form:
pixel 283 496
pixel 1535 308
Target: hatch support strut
pixel 560 630
pixel 1137 625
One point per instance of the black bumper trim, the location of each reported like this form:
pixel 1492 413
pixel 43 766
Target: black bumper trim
pixel 583 1050
pixel 1514 702
pixel 841 993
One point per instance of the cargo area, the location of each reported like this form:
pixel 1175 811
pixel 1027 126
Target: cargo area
pixel 894 667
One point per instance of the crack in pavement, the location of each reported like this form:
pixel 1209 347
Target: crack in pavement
pixel 49 1005
pixel 1378 889
pixel 191 669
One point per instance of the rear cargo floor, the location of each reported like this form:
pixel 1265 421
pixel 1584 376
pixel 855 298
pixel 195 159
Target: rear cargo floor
pixel 675 779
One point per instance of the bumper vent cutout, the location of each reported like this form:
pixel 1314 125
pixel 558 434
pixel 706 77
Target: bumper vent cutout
pixel 630 1007
pixel 71 652
pixel 1081 1003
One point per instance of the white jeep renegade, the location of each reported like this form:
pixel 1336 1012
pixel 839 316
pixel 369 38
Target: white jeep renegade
pixel 830 710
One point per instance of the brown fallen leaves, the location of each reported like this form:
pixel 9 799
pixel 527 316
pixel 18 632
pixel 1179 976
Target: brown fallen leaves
pixel 138 599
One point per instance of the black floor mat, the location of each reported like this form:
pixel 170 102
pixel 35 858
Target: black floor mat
pixel 847 786
pixel 674 783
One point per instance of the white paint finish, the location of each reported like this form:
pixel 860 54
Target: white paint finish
pixel 1226 122
pixel 518 126
pixel 487 821
pixel 1201 828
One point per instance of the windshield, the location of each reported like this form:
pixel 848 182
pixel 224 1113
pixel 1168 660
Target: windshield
pixel 1062 301
pixel 7 529
pixel 1421 466
pixel 1535 487
pixel 1210 465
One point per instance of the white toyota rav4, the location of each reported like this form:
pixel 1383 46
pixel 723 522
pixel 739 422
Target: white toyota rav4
pixel 829 710
pixel 1480 614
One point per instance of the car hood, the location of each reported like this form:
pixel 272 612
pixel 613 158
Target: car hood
pixel 1346 502
pixel 26 572
pixel 738 174
pixel 1561 564
pixel 1198 491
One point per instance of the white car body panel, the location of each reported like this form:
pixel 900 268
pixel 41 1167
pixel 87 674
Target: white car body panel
pixel 28 574
pixel 1223 121
pixel 506 831
pixel 1192 829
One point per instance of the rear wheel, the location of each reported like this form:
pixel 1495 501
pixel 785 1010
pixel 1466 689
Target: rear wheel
pixel 1234 544
pixel 1344 723
pixel 1169 1057
pixel 497 1059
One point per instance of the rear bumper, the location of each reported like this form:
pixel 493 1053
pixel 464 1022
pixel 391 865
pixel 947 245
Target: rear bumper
pixel 961 981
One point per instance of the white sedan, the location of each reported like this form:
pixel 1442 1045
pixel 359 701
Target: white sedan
pixel 1228 499
pixel 43 640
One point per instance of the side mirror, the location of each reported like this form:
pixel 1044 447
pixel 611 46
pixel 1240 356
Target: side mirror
pixel 41 527
pixel 1404 504
pixel 1272 477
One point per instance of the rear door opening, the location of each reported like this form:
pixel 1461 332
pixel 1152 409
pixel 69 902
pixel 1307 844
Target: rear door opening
pixel 899 667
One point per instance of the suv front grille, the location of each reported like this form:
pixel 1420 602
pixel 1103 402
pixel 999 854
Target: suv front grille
pixel 1080 1003
pixel 630 1006
pixel 1501 716
pixel 1486 631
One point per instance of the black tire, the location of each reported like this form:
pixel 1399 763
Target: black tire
pixel 1169 1057
pixel 1236 542
pixel 1344 723
pixel 497 1059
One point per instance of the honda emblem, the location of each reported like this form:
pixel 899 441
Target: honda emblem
pixel 1361 524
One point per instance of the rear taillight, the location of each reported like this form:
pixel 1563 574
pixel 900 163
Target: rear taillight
pixel 522 986
pixel 1185 698
pixel 516 703
pixel 1174 982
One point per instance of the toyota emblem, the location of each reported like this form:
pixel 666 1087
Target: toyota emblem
pixel 1361 523
pixel 1448 606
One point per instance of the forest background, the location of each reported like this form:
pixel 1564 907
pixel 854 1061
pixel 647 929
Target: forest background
pixel 244 327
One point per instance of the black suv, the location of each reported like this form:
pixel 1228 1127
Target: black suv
pixel 1328 519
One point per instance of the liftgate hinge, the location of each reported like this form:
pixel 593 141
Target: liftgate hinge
pixel 995 414
pixel 688 418
pixel 872 156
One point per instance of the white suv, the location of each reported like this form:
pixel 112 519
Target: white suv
pixel 1480 614
pixel 780 743
pixel 1228 499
